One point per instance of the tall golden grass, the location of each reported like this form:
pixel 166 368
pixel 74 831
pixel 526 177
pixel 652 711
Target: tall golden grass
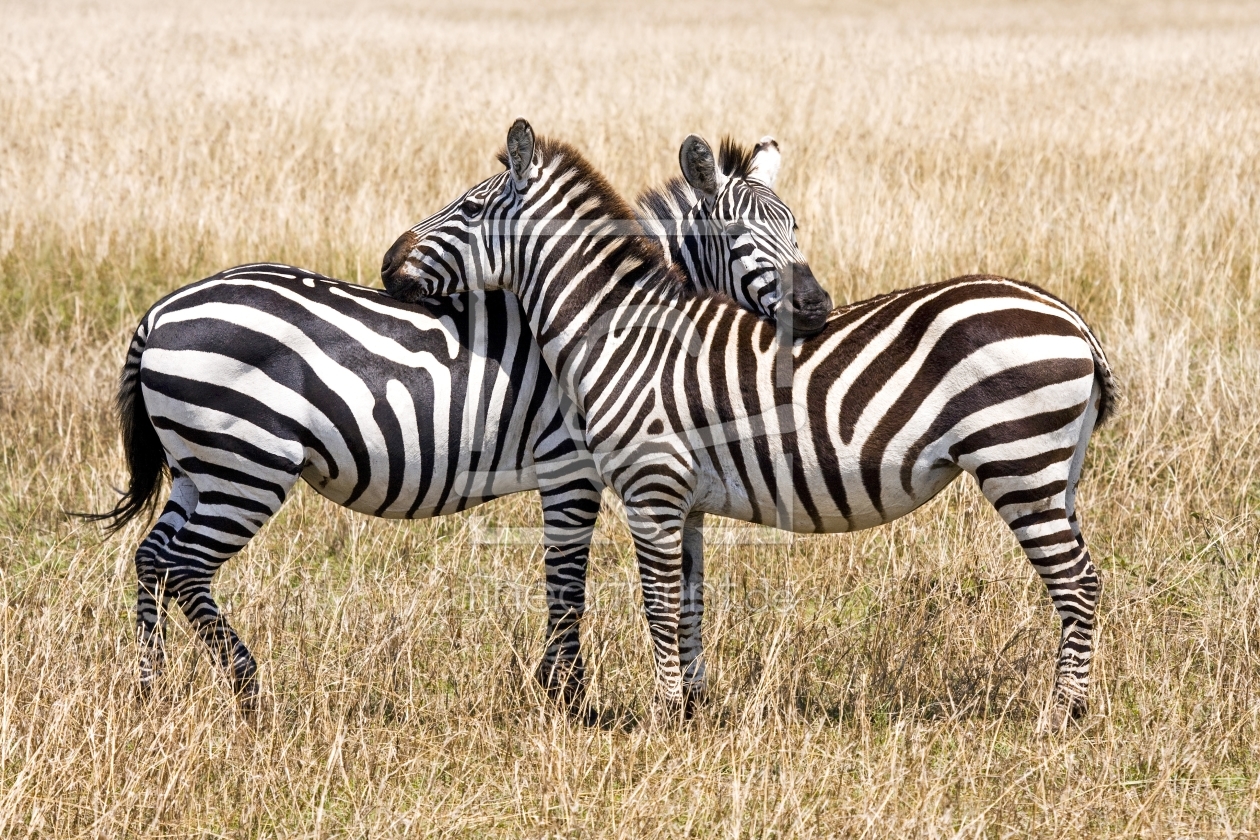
pixel 885 683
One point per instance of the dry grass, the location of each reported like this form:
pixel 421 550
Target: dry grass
pixel 879 684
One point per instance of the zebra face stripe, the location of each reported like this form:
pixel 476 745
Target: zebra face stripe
pixel 456 249
pixel 741 237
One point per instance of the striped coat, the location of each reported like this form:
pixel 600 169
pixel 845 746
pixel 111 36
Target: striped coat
pixel 693 406
pixel 241 384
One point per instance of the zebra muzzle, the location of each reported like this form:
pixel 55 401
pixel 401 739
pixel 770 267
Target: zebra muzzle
pixel 809 305
pixel 397 283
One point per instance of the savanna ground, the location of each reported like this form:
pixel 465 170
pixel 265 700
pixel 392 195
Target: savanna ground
pixel 885 683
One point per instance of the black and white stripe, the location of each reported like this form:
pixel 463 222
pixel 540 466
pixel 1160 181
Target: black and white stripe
pixel 261 375
pixel 694 406
pixel 725 223
pixel 243 383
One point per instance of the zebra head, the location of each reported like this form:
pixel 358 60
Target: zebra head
pixel 475 242
pixel 548 206
pixel 444 254
pixel 739 238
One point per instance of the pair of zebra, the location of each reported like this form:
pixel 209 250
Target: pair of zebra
pixel 697 369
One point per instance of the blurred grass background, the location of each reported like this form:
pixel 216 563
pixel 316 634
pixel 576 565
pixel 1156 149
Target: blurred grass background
pixel 878 684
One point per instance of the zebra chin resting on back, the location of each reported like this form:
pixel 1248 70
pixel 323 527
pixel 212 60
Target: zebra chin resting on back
pixel 242 383
pixel 693 406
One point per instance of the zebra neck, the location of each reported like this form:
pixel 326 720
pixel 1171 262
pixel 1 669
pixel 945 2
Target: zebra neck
pixel 664 233
pixel 672 217
pixel 668 215
pixel 579 307
pixel 682 248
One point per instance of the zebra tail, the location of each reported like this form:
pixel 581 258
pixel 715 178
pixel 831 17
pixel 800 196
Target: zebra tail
pixel 145 457
pixel 1105 378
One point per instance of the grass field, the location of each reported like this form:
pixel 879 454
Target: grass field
pixel 881 684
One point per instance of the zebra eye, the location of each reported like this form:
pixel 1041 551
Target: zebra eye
pixel 470 207
pixel 737 229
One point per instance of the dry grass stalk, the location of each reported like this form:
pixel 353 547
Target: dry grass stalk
pixel 879 684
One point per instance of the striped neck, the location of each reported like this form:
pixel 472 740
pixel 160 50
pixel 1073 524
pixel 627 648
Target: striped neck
pixel 586 270
pixel 579 311
pixel 668 215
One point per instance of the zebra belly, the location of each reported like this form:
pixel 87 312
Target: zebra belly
pixel 459 500
pixel 720 491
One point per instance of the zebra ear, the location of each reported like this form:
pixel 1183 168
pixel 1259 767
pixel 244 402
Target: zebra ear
pixel 520 150
pixel 765 161
pixel 699 167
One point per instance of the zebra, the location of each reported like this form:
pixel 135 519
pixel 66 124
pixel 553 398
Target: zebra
pixel 238 385
pixel 693 406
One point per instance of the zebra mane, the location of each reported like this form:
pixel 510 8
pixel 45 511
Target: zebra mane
pixel 671 201
pixel 667 202
pixel 670 280
pixel 734 158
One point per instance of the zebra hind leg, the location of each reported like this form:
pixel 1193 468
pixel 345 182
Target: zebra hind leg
pixel 219 526
pixel 1035 496
pixel 152 598
pixel 569 515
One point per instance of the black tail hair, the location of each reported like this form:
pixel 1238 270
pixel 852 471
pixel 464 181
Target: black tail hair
pixel 1107 400
pixel 145 457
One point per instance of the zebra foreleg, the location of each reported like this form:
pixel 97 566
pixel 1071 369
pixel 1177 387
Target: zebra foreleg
pixel 569 516
pixel 690 646
pixel 658 541
pixel 562 672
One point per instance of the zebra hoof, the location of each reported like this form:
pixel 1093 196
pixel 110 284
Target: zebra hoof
pixel 150 670
pixel 247 698
pixel 144 689
pixel 671 711
pixel 1062 712
pixel 564 684
pixel 694 697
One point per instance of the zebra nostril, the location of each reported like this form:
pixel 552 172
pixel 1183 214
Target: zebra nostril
pixel 807 294
pixel 816 301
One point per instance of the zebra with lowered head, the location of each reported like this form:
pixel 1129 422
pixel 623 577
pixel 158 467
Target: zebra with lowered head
pixel 694 406
pixel 240 384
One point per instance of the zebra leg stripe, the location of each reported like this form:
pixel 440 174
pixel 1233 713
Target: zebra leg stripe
pixel 568 524
pixel 657 533
pixel 152 597
pixel 192 592
pixel 212 535
pixel 690 644
pixel 1052 542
